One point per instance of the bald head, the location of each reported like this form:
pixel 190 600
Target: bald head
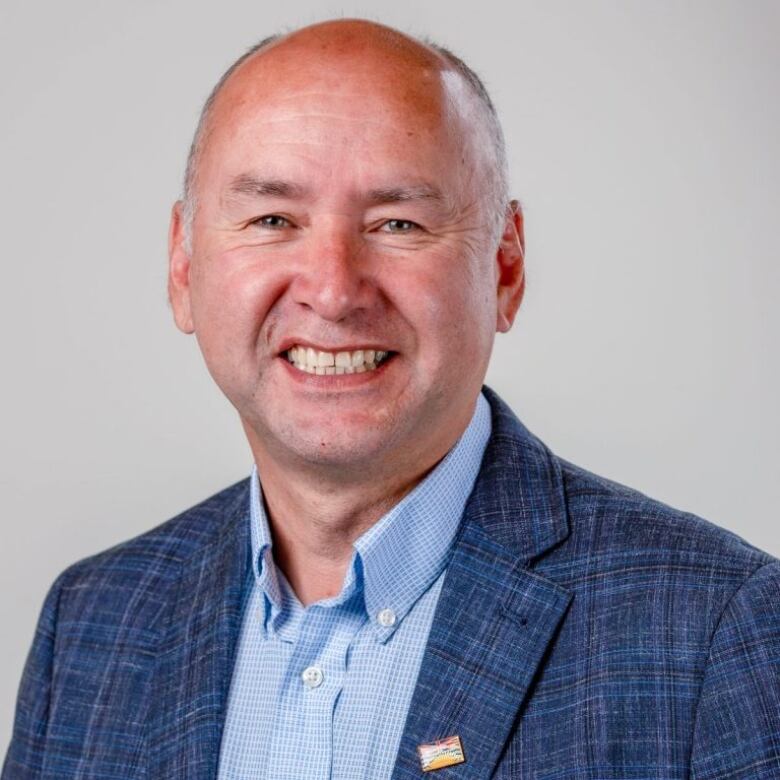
pixel 427 79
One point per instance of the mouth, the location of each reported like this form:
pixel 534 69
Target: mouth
pixel 315 361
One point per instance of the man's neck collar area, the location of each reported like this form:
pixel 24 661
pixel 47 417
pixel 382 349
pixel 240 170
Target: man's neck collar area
pixel 396 560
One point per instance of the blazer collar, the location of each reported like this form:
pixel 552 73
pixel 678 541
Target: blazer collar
pixel 518 500
pixel 496 617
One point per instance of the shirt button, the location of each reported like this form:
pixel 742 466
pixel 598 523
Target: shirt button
pixel 312 677
pixel 386 618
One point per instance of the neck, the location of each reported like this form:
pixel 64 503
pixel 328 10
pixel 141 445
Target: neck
pixel 314 524
pixel 316 511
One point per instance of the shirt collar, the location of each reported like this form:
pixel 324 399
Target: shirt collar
pixel 404 552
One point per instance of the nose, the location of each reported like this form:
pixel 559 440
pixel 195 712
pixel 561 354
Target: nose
pixel 333 280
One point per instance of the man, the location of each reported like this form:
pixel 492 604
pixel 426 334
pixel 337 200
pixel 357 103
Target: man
pixel 410 581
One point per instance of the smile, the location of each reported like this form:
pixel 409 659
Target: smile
pixel 314 361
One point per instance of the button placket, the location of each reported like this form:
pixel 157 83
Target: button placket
pixel 305 719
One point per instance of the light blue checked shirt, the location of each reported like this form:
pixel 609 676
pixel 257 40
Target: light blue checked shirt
pixel 323 691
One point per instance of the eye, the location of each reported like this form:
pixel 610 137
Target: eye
pixel 272 221
pixel 399 226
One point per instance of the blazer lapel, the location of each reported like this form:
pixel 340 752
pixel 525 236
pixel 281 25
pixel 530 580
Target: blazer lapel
pixel 496 617
pixel 194 667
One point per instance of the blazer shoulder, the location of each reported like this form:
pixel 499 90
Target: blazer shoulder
pixel 620 519
pixel 161 551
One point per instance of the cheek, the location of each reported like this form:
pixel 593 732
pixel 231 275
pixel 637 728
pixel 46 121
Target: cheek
pixel 463 302
pixel 452 313
pixel 232 294
pixel 229 313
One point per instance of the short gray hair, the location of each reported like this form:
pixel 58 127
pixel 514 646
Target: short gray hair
pixel 499 186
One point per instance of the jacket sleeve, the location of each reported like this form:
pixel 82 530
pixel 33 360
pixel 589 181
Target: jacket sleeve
pixel 25 757
pixel 737 731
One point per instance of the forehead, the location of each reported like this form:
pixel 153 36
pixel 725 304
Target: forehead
pixel 343 54
pixel 341 99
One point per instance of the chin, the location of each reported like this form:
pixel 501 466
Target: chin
pixel 336 444
pixel 339 451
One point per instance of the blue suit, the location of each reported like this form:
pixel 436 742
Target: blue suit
pixel 583 631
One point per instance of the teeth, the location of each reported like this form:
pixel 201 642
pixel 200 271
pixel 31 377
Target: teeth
pixel 313 361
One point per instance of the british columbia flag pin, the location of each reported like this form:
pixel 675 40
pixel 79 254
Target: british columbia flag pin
pixel 445 752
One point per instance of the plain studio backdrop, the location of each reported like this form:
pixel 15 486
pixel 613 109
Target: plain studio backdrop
pixel 644 143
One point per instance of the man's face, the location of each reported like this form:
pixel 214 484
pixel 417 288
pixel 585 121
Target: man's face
pixel 343 281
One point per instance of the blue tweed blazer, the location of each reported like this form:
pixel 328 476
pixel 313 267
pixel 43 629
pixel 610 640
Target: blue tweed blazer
pixel 583 631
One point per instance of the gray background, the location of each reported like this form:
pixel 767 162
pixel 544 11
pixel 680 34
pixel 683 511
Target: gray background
pixel 644 143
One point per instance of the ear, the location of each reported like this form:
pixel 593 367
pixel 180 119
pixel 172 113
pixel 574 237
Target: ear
pixel 510 259
pixel 179 272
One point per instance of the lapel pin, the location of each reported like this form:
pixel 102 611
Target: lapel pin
pixel 437 755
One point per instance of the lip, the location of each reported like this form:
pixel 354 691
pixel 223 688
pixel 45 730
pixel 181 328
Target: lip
pixel 334 381
pixel 288 343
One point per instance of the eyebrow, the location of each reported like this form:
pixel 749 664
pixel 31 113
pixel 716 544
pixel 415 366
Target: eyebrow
pixel 404 194
pixel 246 184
